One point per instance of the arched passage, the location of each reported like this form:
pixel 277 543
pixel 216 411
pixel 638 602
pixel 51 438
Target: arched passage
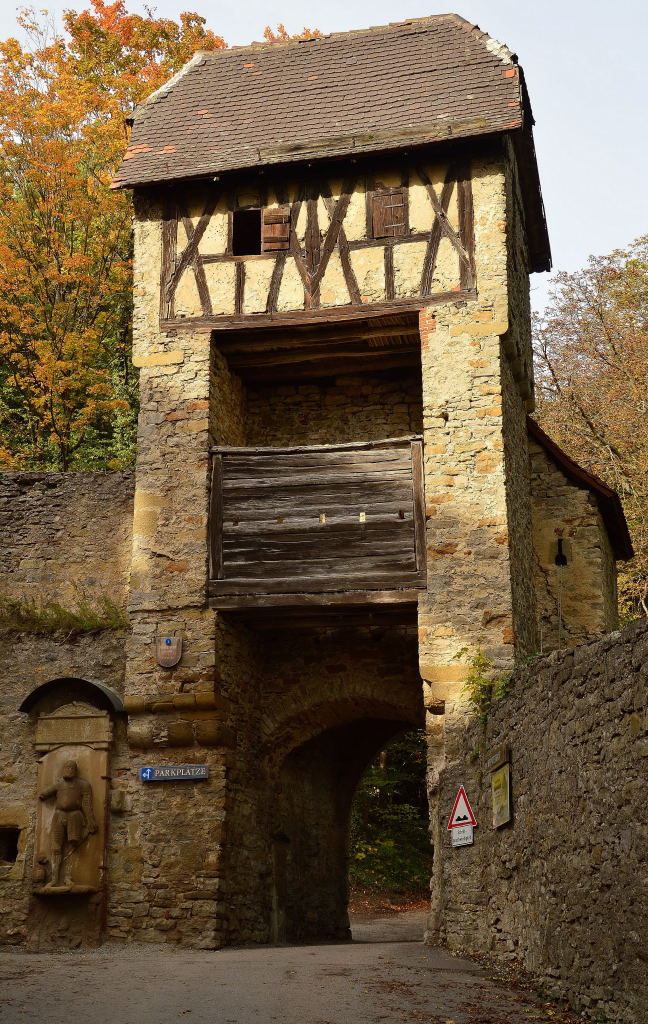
pixel 314 792
pixel 316 746
pixel 321 705
pixel 390 849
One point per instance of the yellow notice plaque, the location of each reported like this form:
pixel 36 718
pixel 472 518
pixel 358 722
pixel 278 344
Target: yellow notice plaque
pixel 501 791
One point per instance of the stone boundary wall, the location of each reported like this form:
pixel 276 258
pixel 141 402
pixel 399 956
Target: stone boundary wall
pixel 563 888
pixel 66 535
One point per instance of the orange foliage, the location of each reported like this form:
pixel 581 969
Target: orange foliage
pixel 66 390
pixel 280 34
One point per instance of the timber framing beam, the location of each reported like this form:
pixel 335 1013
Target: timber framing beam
pixel 347 600
pixel 330 314
pixel 371 344
pixel 245 342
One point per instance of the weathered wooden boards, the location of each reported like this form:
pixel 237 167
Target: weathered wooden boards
pixel 312 520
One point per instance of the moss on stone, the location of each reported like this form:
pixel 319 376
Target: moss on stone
pixel 27 615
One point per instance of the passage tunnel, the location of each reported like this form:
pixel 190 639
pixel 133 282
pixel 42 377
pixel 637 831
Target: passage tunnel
pixel 326 699
pixel 315 789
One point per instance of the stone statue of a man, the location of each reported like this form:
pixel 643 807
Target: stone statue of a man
pixel 73 818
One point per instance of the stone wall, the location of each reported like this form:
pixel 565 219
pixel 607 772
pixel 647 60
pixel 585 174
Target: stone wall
pixel 562 888
pixel 66 535
pixel 475 474
pixel 164 854
pixel 517 399
pixel 367 407
pixel 239 857
pixel 227 402
pixel 581 598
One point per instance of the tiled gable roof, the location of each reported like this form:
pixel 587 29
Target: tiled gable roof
pixel 382 88
pixel 607 498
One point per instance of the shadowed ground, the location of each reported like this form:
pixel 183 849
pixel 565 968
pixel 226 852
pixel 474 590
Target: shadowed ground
pixel 386 974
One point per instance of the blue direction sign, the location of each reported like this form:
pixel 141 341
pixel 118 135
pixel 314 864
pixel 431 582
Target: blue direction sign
pixel 173 772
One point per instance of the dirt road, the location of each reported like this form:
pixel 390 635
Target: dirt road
pixel 385 975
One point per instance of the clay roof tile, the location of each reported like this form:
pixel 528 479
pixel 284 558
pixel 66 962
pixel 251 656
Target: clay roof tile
pixel 413 82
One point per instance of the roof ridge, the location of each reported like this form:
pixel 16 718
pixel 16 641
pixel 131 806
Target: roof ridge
pixel 167 86
pixel 258 45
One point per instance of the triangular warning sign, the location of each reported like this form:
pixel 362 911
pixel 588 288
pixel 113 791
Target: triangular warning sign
pixel 462 813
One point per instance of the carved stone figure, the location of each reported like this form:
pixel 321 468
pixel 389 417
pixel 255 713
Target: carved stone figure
pixel 73 819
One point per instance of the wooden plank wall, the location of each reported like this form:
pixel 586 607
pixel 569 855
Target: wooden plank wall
pixel 326 518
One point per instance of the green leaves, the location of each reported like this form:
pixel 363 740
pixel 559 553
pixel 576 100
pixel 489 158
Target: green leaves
pixel 483 684
pixel 390 846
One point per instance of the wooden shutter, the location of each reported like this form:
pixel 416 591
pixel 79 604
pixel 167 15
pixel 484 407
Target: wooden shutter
pixel 388 213
pixel 276 229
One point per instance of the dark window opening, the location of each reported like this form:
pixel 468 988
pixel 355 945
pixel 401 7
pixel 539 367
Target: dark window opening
pixel 9 845
pixel 561 555
pixel 246 232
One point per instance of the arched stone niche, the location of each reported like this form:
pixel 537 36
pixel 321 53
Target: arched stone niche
pixel 66 689
pixel 72 737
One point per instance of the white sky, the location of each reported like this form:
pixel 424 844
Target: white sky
pixel 585 65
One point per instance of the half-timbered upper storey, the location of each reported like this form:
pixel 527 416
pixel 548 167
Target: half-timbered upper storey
pixel 329 173
pixel 236 252
pixel 298 204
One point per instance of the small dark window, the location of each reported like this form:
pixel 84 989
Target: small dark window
pixel 561 554
pixel 9 845
pixel 246 232
pixel 388 213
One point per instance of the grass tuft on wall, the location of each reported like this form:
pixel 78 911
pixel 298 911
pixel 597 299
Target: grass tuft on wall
pixel 27 615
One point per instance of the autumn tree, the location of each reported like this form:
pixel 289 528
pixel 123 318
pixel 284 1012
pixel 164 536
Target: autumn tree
pixel 591 347
pixel 67 389
pixel 280 34
pixel 67 394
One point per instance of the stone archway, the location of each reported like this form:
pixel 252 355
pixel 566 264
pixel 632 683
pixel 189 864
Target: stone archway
pixel 313 760
pixel 318 704
pixel 314 792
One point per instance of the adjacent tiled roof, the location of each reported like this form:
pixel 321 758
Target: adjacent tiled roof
pixel 377 89
pixel 607 498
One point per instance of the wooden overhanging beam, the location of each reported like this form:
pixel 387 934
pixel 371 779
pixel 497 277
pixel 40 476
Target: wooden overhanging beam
pixel 369 362
pixel 313 355
pixel 244 342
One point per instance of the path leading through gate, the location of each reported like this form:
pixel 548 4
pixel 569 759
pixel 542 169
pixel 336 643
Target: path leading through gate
pixel 385 975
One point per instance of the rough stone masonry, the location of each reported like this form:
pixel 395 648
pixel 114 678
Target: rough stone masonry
pixel 337 490
pixel 562 887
